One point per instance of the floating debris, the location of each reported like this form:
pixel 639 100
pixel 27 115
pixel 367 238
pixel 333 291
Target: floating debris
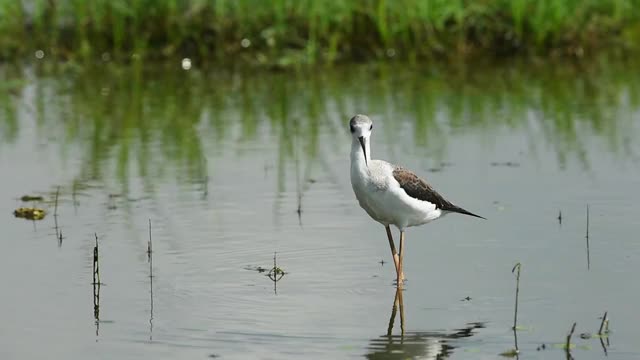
pixel 29 213
pixel 276 273
pixel 505 163
pixel 32 198
pixel 510 353
pixel 259 269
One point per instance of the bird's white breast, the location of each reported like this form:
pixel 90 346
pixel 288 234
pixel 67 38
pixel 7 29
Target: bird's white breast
pixel 366 189
pixel 381 196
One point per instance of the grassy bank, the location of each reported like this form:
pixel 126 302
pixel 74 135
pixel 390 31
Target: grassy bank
pixel 305 31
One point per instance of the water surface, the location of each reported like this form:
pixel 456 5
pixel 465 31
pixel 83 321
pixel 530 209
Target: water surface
pixel 234 166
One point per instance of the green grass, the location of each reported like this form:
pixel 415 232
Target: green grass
pixel 284 32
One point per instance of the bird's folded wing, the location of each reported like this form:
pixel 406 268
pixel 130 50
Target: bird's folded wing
pixel 417 188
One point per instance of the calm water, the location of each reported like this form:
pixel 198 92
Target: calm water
pixel 231 167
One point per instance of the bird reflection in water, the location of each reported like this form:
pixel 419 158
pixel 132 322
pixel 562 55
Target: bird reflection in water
pixel 415 344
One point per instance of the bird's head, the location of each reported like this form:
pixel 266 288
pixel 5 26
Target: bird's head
pixel 361 127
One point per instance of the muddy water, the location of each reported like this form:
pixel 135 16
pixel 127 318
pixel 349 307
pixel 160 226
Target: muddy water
pixel 233 167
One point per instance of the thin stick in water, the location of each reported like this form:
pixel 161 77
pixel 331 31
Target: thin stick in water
pixel 515 314
pixel 57 229
pixel 96 286
pixel 55 209
pixel 96 263
pixel 587 221
pixel 275 274
pixel 205 178
pixel 150 257
pixel 275 269
pixel 149 246
pixel 55 218
pixel 74 190
pixel 587 237
pixel 151 308
pixel 96 306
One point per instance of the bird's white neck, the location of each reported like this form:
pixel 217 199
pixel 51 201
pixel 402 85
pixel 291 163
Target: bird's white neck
pixel 357 155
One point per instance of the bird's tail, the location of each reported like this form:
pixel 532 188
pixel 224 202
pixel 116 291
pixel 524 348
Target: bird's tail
pixel 459 210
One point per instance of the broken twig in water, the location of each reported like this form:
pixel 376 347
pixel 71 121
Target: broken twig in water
pixel 604 325
pixel 568 343
pixel 604 333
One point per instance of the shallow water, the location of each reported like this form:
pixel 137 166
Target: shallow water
pixel 232 167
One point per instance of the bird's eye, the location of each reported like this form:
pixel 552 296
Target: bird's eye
pixel 371 127
pixel 353 129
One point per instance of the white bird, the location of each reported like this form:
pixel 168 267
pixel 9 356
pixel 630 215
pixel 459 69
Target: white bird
pixel 390 194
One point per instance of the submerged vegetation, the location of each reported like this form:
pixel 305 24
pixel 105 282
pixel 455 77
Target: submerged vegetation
pixel 285 32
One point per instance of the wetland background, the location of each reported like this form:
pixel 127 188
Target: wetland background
pixel 235 163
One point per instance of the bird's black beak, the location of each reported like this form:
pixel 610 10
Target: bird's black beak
pixel 364 150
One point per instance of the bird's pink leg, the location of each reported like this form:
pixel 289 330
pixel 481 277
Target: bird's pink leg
pixel 394 253
pixel 399 271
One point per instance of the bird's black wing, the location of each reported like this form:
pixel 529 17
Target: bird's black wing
pixel 419 189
